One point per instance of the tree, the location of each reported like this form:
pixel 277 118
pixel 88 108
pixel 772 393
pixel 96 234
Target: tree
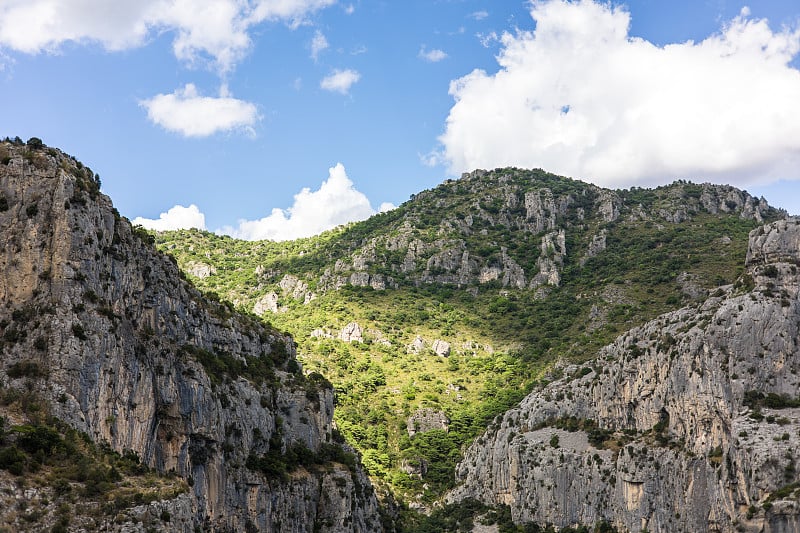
pixel 35 143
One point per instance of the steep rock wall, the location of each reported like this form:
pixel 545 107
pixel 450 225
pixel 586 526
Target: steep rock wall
pixel 688 423
pixel 138 359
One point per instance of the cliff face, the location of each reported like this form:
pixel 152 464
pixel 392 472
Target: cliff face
pixel 137 358
pixel 688 423
pixel 458 233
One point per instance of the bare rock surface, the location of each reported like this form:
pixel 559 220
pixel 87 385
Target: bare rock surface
pixel 134 357
pixel 687 423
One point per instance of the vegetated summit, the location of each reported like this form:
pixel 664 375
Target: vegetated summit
pixel 435 317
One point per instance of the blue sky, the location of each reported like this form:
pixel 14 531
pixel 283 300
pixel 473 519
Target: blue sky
pixel 280 118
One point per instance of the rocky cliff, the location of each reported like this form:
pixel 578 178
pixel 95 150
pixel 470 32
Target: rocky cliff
pixel 460 233
pixel 688 423
pixel 116 343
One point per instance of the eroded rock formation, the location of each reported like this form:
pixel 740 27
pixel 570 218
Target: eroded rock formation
pixel 688 423
pixel 138 359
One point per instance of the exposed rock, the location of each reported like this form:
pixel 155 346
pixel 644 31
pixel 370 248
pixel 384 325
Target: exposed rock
pixel 296 288
pixel 351 333
pixel 416 346
pixel 551 260
pixel 679 403
pixel 139 360
pixel 777 243
pixel 321 333
pixel 441 348
pixel 513 275
pixel 488 274
pixel 200 270
pixel 608 205
pixel 690 287
pixel 426 419
pixel 540 209
pixel 268 302
pixel 597 245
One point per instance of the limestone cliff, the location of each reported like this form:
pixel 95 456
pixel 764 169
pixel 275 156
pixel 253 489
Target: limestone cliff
pixel 134 356
pixel 688 423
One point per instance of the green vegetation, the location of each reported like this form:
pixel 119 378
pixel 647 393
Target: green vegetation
pixel 48 454
pixel 461 517
pixel 504 340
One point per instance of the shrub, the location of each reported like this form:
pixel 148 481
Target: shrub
pixel 35 143
pixel 28 369
pixel 78 331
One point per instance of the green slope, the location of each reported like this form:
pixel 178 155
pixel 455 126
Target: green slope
pixel 663 248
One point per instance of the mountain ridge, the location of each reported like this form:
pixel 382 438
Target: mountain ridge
pixel 108 336
pixel 447 310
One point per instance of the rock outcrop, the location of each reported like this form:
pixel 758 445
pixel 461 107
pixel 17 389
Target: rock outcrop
pixel 688 423
pixel 140 361
pixel 426 419
pixel 513 229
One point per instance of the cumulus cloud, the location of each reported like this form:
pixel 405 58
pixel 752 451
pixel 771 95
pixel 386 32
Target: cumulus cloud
pixel 336 202
pixel 579 96
pixel 187 112
pixel 178 217
pixel 479 15
pixel 432 56
pixel 217 31
pixel 340 81
pixel 318 44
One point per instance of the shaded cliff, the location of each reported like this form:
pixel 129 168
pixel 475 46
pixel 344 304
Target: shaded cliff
pixel 687 423
pixel 127 351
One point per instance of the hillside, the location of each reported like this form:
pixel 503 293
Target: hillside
pixel 433 318
pixel 686 423
pixel 130 402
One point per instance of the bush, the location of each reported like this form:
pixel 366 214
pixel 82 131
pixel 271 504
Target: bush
pixel 28 369
pixel 13 460
pixel 35 143
pixel 78 331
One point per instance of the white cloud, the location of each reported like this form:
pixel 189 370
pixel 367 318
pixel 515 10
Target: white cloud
pixel 217 31
pixel 488 39
pixel 178 217
pixel 432 56
pixel 340 81
pixel 192 115
pixel 479 15
pixel 349 9
pixel 335 202
pixel 579 96
pixel 318 44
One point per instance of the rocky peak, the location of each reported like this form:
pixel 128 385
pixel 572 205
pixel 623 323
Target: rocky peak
pixel 135 357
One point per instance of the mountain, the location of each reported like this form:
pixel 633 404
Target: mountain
pixel 686 423
pixel 131 402
pixel 435 317
pixel 511 346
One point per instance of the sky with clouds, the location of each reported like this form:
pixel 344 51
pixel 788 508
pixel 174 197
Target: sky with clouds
pixel 226 114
